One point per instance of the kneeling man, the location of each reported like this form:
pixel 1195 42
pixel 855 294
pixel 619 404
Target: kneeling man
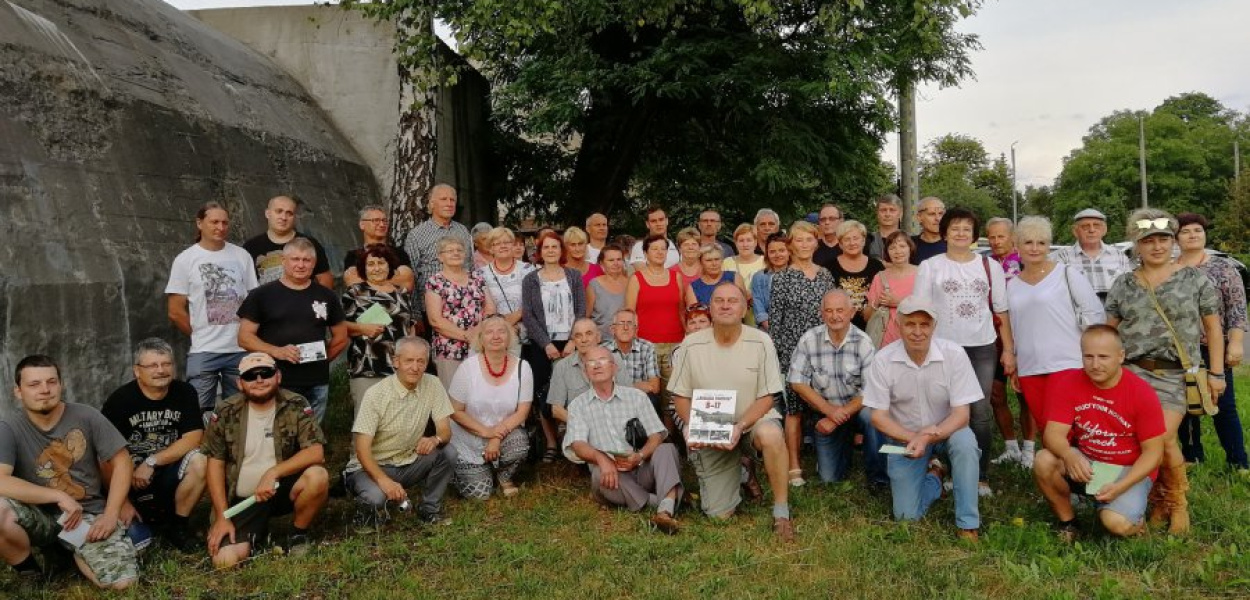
pixel 920 388
pixel 51 480
pixel 648 476
pixel 263 442
pixel 400 439
pixel 1102 413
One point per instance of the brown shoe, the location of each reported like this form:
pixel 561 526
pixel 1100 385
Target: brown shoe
pixel 1178 486
pixel 1158 500
pixel 751 489
pixel 665 523
pixel 784 529
pixel 969 535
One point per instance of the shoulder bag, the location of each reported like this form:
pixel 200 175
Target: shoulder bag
pixel 1198 399
pixel 876 326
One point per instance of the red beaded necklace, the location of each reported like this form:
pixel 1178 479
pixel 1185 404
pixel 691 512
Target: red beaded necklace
pixel 491 370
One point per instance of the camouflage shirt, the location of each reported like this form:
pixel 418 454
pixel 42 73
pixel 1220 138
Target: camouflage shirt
pixel 294 429
pixel 1186 297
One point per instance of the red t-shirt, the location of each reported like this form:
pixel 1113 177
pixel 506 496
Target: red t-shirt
pixel 1107 425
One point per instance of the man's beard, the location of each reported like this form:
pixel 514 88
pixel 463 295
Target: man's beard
pixel 261 399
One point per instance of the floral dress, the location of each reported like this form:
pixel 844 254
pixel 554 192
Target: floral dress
pixel 371 357
pixel 1227 282
pixel 795 308
pixel 463 305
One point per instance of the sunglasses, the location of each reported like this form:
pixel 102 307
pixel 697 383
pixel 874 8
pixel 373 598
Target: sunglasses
pixel 1159 223
pixel 261 373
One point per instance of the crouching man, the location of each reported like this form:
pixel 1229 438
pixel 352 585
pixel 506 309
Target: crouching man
pixel 264 443
pixel 51 481
pixel 596 435
pixel 1107 414
pixel 920 388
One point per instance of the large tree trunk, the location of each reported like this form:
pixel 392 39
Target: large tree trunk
pixel 615 134
pixel 416 145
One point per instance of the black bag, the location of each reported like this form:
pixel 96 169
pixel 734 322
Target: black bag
pixel 635 434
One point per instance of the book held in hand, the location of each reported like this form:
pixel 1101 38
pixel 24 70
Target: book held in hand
pixel 1104 473
pixel 712 416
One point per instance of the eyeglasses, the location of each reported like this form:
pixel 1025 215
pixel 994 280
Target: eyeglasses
pixel 1159 223
pixel 625 325
pixel 375 221
pixel 160 365
pixel 259 373
pixel 599 362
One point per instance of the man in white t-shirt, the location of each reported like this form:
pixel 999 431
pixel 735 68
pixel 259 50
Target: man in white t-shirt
pixel 920 388
pixel 207 284
pixel 597 231
pixel 657 224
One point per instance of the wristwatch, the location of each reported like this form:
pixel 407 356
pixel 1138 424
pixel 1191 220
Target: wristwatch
pixel 150 461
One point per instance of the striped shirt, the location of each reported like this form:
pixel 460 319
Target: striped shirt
pixel 1101 271
pixel 640 361
pixel 601 423
pixel 422 246
pixel 835 372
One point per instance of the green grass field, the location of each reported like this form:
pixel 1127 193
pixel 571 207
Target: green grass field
pixel 553 542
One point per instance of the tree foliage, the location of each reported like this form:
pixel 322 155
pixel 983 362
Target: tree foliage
pixel 606 105
pixel 1189 161
pixel 957 169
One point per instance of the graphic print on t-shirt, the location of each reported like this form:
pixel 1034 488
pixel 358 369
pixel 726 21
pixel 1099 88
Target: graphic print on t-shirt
pixel 269 266
pixel 319 310
pixel 967 297
pixel 221 293
pixel 54 463
pixel 152 431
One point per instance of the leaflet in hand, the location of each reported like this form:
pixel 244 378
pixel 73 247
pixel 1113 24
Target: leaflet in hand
pixel 712 416
pixel 374 315
pixel 243 505
pixel 312 351
pixel 892 449
pixel 75 537
pixel 1104 473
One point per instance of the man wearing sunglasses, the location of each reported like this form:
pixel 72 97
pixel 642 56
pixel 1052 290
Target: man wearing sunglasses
pixel 1100 263
pixel 263 443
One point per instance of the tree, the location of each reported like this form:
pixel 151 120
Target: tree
pixel 956 168
pixel 611 104
pixel 1231 231
pixel 1189 143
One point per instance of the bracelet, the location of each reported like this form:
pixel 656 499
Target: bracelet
pixel 1214 374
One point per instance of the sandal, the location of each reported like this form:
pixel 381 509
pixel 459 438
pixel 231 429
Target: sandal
pixel 796 478
pixel 550 455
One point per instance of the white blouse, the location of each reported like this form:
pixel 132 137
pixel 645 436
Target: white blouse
pixel 488 404
pixel 960 293
pixel 1044 320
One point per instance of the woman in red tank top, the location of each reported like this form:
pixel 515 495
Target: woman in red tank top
pixel 655 294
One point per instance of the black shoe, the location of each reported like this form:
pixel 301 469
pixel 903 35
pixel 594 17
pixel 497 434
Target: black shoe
pixel 297 545
pixel 183 539
pixel 434 518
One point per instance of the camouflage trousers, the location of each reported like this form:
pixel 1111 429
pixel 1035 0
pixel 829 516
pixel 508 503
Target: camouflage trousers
pixel 111 560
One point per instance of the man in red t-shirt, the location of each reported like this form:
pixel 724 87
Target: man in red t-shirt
pixel 1100 414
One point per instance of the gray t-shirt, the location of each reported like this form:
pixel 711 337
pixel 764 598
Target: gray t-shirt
pixel 67 457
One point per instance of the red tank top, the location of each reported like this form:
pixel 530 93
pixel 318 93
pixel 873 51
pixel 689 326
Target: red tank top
pixel 659 310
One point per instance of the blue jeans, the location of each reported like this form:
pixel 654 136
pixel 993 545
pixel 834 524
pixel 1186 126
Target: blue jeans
pixel 914 489
pixel 833 451
pixel 205 370
pixel 316 395
pixel 1227 427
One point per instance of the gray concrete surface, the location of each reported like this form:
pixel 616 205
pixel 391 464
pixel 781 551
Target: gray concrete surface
pixel 117 120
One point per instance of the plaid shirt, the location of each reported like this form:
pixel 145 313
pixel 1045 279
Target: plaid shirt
pixel 422 246
pixel 601 423
pixel 1101 271
pixel 835 372
pixel 640 362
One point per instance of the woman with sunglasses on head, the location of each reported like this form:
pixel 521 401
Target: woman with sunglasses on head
pixel 552 298
pixel 1147 305
pixel 777 258
pixel 1192 238
pixel 372 345
pixel 797 292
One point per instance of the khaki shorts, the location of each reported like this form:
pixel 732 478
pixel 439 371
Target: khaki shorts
pixel 720 472
pixel 112 560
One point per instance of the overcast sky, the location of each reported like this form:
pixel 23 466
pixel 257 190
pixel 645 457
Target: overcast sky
pixel 1050 69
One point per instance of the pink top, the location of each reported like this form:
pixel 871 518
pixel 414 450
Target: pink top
pixel 594 271
pixel 901 288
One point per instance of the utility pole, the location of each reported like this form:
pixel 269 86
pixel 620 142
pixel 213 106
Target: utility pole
pixel 907 153
pixel 1015 203
pixel 1237 161
pixel 1141 157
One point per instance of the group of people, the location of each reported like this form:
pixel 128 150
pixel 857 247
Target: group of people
pixel 903 346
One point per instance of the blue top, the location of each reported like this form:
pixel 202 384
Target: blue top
pixel 703 291
pixel 761 294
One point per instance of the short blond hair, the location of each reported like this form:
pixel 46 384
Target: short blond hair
pixel 804 227
pixel 689 233
pixel 744 228
pixel 852 225
pixel 500 234
pixel 475 343
pixel 711 249
pixel 575 235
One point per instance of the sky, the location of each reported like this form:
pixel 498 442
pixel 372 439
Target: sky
pixel 1049 70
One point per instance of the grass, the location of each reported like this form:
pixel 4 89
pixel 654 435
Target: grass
pixel 553 542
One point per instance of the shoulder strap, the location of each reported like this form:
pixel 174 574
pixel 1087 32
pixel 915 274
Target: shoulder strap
pixel 985 262
pixel 1071 297
pixel 1176 340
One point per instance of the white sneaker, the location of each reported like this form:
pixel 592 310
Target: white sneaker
pixel 1008 456
pixel 1026 460
pixel 983 489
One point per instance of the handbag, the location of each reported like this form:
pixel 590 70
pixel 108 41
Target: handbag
pixel 876 326
pixel 635 434
pixel 1081 322
pixel 1198 399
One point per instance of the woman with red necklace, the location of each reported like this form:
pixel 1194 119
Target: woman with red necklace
pixel 491 394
